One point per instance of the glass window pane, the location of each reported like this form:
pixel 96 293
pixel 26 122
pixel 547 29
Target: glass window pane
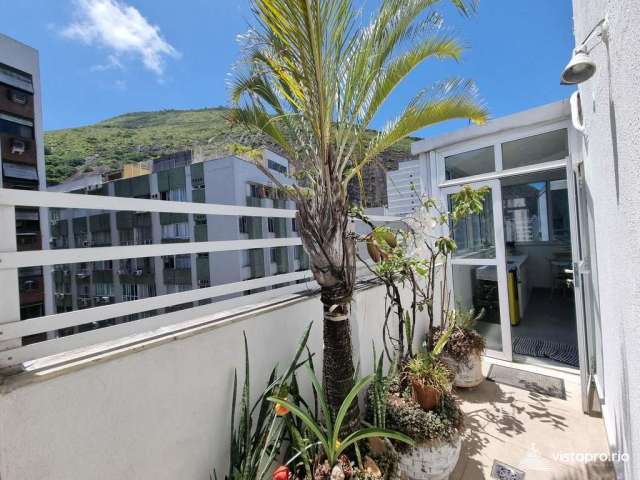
pixel 525 212
pixel 545 147
pixel 474 235
pixel 470 163
pixel 559 220
pixel 477 287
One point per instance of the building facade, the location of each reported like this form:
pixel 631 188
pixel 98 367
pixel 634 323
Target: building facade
pixel 229 180
pixel 22 159
pixel 608 114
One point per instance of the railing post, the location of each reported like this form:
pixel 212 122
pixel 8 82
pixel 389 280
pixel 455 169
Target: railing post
pixel 9 291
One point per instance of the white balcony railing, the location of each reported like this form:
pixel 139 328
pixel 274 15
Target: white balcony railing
pixel 12 329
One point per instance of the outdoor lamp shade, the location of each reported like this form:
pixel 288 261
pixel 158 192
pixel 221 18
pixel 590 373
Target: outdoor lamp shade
pixel 579 69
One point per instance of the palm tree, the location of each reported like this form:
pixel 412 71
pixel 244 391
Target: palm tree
pixel 312 78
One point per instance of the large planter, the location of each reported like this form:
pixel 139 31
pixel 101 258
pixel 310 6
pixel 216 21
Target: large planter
pixel 428 398
pixel 433 460
pixel 468 374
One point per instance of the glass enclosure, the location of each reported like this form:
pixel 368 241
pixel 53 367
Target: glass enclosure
pixel 470 163
pixel 474 234
pixel 545 147
pixel 476 287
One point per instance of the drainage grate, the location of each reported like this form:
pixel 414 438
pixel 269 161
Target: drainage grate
pixel 502 471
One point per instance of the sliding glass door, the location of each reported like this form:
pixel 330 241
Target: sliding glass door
pixel 478 270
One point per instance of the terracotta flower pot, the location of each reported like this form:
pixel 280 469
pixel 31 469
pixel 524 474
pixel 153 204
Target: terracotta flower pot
pixel 427 397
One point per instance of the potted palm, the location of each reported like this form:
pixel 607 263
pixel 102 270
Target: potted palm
pixel 464 349
pixel 313 77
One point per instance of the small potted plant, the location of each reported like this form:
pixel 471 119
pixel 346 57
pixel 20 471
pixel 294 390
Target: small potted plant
pixel 463 351
pixel 436 432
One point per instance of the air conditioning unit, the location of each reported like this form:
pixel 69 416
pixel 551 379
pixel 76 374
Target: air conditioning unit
pixel 83 301
pixel 18 146
pixel 59 295
pixel 139 272
pixel 155 196
pixel 203 283
pixel 86 243
pixel 53 239
pixel 122 271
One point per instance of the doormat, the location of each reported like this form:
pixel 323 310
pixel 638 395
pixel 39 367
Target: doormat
pixel 535 347
pixel 533 382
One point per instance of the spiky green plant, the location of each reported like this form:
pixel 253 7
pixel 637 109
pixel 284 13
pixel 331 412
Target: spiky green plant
pixel 327 431
pixel 313 77
pixel 257 436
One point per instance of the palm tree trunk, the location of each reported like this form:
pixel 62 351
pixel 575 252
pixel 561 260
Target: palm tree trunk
pixel 338 371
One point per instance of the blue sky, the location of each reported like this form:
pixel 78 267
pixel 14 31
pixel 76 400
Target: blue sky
pixel 101 58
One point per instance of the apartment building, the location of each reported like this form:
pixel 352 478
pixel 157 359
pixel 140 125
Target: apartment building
pixel 179 177
pixel 22 159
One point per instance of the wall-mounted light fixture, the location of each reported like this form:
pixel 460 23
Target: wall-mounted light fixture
pixel 581 67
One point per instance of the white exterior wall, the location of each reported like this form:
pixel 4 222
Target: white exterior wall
pixel 161 412
pixel 611 107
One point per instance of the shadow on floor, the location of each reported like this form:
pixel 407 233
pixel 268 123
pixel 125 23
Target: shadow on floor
pixel 591 471
pixel 500 416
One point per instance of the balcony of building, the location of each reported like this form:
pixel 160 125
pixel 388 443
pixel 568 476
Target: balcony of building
pixel 140 386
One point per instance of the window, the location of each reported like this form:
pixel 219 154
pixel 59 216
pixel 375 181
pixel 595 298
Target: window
pixel 271 223
pixel 545 147
pixel 177 261
pixel 277 167
pixel 126 236
pixel 243 225
pixel 142 235
pixel 274 255
pixel 101 238
pixel 174 195
pixel 129 292
pixel 103 265
pixel 470 163
pixel 183 261
pixel 536 212
pixel 175 230
pixel 104 289
pixel 294 225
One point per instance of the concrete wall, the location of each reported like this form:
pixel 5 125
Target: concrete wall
pixel 160 412
pixel 611 107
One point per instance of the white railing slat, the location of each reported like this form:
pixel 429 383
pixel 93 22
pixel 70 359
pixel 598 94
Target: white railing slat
pixel 95 254
pixel 79 317
pixel 26 198
pixel 143 328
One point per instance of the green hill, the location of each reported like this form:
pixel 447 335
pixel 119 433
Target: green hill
pixel 134 137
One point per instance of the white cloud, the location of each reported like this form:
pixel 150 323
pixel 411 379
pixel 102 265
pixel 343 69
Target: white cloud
pixel 121 29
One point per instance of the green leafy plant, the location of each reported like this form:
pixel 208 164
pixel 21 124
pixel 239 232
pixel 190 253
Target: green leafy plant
pixel 427 370
pixel 312 78
pixel 257 436
pixel 379 390
pixel 464 341
pixel 445 422
pixel 328 431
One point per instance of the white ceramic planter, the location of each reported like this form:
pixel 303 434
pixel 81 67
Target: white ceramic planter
pixel 429 461
pixel 468 374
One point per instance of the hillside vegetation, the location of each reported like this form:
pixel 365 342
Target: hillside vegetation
pixel 134 137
